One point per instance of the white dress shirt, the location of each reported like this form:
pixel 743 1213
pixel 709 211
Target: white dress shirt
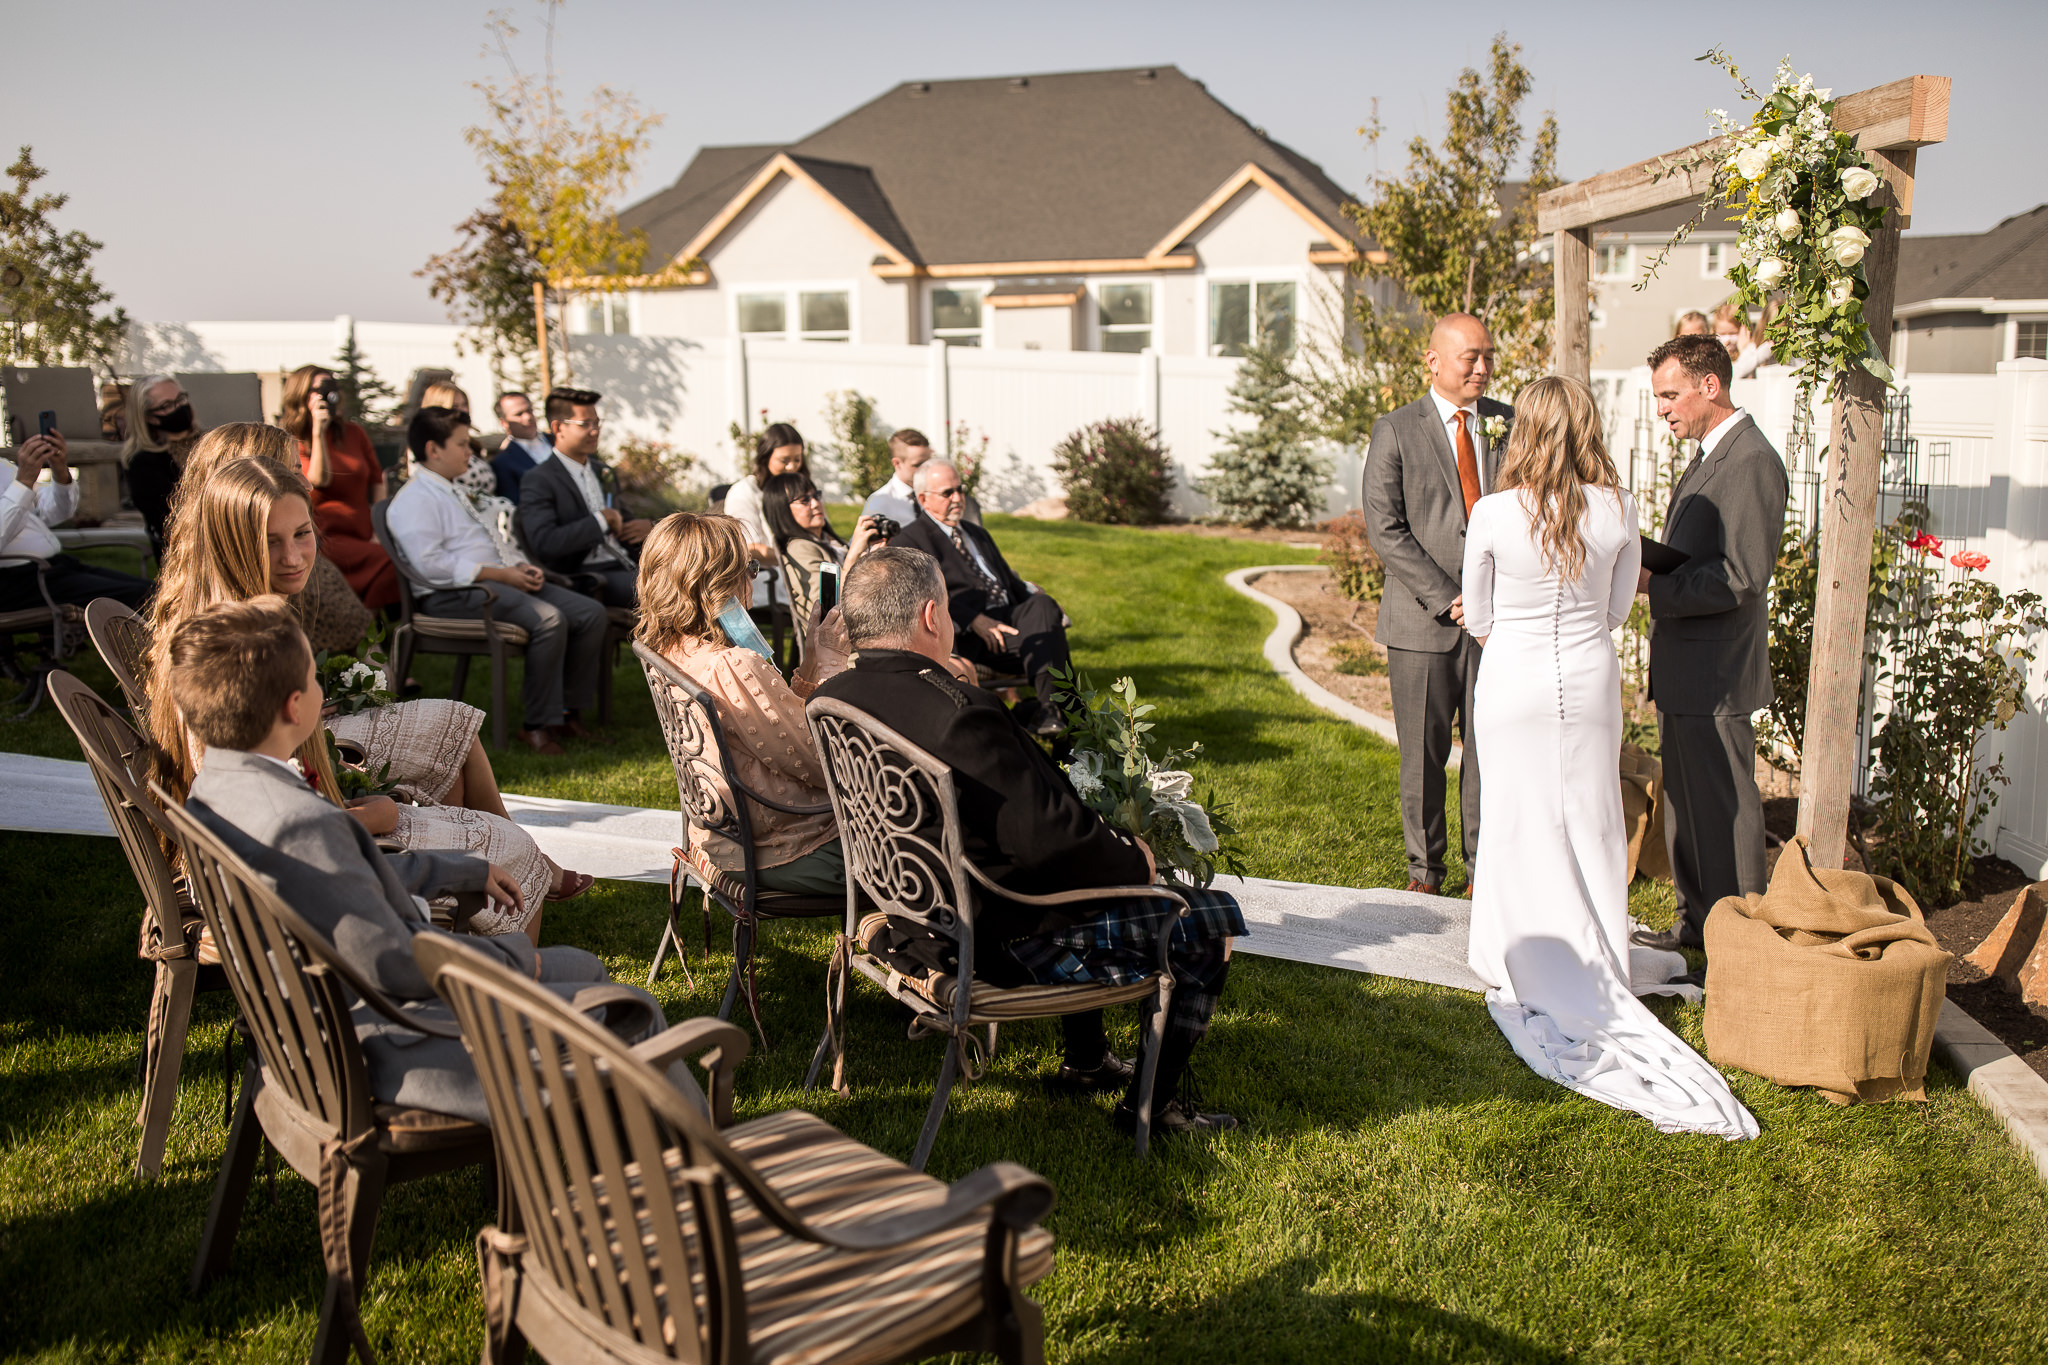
pixel 442 534
pixel 537 449
pixel 584 476
pixel 973 550
pixel 893 499
pixel 1713 438
pixel 1446 412
pixel 27 514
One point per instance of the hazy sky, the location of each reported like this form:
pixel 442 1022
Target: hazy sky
pixel 266 161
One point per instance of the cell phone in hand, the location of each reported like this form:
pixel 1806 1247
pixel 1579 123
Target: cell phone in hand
pixel 46 422
pixel 828 588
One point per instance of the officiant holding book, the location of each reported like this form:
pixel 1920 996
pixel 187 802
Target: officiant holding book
pixel 1710 656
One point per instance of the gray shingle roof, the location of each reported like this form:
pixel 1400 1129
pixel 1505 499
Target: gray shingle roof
pixel 2008 262
pixel 1084 165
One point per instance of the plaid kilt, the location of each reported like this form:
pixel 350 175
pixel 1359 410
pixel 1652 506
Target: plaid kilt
pixel 1120 944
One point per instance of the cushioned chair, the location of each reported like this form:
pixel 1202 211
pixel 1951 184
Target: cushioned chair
pixel 899 823
pixel 652 1228
pixel 35 642
pixel 709 792
pixel 465 637
pixel 174 936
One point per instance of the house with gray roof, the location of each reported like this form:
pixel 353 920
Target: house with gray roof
pixel 1100 210
pixel 1968 301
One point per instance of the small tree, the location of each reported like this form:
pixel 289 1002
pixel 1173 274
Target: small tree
pixel 1266 475
pixel 1115 472
pixel 857 455
pixel 52 308
pixel 365 397
pixel 487 284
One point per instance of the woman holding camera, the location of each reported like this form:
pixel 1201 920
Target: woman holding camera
pixel 805 540
pixel 339 462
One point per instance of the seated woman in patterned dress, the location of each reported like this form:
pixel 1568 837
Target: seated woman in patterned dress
pixel 248 531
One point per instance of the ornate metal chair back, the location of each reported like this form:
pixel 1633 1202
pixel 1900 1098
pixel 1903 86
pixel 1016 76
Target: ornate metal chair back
pixel 123 640
pixel 621 1185
pixel 706 783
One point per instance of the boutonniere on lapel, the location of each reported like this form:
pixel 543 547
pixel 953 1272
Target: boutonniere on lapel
pixel 1496 429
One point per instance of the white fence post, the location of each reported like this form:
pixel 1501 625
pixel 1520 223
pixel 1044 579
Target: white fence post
pixel 938 399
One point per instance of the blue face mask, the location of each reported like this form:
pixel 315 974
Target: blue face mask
pixel 739 628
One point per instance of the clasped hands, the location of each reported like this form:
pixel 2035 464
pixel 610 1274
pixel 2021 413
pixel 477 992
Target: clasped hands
pixel 631 532
pixel 525 577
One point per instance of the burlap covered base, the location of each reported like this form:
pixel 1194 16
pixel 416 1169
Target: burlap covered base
pixel 1829 979
pixel 1642 814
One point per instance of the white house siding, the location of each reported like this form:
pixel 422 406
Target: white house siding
pixel 1043 328
pixel 1630 323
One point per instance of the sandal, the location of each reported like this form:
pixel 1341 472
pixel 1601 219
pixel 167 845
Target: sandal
pixel 574 884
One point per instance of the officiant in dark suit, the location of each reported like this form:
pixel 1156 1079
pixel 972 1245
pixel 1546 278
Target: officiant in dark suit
pixel 1429 461
pixel 1002 621
pixel 1710 648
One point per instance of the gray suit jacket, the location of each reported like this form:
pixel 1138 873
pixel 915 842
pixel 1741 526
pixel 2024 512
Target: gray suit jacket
pixel 1415 518
pixel 1710 650
pixel 325 865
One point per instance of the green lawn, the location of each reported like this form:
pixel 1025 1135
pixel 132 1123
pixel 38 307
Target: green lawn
pixel 1406 1188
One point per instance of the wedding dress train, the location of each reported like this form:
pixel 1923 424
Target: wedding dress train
pixel 1550 910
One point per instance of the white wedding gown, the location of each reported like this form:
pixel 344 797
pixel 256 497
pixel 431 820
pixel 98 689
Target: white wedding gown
pixel 1550 919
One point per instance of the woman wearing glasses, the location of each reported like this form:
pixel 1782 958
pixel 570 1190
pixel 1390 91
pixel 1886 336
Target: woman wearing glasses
pixel 778 450
pixel 161 434
pixel 806 542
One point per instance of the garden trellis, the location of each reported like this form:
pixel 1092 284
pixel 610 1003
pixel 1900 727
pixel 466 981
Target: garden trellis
pixel 1890 123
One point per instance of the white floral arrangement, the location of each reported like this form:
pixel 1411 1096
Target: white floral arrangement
pixel 1808 215
pixel 356 683
pixel 1496 429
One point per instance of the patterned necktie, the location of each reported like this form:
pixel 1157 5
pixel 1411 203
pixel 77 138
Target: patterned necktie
pixel 1468 463
pixel 997 597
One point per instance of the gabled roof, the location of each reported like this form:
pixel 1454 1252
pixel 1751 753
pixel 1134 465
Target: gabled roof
pixel 2008 262
pixel 1030 171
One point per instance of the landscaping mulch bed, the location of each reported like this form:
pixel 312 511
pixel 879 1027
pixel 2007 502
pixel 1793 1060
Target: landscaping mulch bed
pixel 1332 622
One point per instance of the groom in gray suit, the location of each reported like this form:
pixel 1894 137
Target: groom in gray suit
pixel 1710 650
pixel 243 678
pixel 1428 463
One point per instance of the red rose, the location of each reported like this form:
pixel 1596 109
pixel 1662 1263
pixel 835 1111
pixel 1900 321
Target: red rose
pixel 1925 543
pixel 1971 559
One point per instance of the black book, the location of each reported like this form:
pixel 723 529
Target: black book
pixel 1661 558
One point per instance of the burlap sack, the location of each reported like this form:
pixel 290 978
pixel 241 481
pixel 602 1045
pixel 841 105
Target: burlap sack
pixel 2016 952
pixel 1829 979
pixel 1642 814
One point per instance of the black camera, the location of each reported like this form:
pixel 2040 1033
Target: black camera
pixel 330 393
pixel 886 528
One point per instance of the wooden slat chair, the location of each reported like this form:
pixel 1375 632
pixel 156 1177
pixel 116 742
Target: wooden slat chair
pixel 174 935
pixel 34 643
pixel 464 637
pixel 123 640
pixel 899 823
pixel 713 798
pixel 306 1090
pixel 650 1230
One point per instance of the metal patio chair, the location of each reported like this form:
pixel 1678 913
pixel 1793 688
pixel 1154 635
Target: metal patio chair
pixel 123 640
pixel 713 798
pixel 34 642
pixel 899 823
pixel 648 1229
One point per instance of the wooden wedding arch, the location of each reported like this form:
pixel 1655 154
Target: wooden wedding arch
pixel 1890 122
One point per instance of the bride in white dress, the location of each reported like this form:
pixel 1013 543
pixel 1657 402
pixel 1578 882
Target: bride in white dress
pixel 1550 569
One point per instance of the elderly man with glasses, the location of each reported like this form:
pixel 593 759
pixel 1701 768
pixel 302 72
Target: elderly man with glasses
pixel 1001 620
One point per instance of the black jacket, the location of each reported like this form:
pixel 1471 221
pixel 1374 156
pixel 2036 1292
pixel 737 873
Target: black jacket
pixel 554 520
pixel 966 597
pixel 1020 820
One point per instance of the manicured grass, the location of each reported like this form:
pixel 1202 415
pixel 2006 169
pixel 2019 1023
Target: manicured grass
pixel 1406 1188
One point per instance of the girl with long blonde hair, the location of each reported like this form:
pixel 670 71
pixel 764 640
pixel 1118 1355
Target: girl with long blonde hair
pixel 1552 560
pixel 248 532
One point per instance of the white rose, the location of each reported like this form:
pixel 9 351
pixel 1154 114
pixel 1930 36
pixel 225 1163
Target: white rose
pixel 1752 162
pixel 1785 141
pixel 1840 292
pixel 1846 245
pixel 1787 223
pixel 1770 272
pixel 1859 182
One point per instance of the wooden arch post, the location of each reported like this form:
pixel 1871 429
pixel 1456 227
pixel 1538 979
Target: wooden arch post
pixel 1890 122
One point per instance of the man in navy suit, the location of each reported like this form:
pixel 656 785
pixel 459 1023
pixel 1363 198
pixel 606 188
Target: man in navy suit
pixel 526 445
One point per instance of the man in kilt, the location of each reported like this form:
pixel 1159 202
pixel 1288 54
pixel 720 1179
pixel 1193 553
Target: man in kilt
pixel 1024 826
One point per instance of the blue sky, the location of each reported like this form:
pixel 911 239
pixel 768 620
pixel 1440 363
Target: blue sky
pixel 252 160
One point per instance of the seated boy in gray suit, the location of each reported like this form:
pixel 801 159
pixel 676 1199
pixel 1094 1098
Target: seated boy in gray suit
pixel 243 677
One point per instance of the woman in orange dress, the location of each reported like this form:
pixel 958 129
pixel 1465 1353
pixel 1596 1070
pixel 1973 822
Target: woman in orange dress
pixel 337 458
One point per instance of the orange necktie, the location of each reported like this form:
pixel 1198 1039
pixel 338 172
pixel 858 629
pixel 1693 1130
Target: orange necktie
pixel 1468 464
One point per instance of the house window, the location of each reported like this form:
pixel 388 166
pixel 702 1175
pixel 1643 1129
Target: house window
pixel 1713 260
pixel 2030 341
pixel 1124 312
pixel 607 315
pixel 956 316
pixel 764 313
pixel 1611 262
pixel 1236 309
pixel 826 316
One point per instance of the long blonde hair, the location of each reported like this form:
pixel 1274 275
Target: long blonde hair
pixel 1556 450
pixel 136 402
pixel 692 566
pixel 218 551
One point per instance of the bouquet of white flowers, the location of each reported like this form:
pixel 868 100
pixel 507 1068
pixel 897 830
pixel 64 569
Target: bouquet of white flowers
pixel 1116 774
pixel 355 683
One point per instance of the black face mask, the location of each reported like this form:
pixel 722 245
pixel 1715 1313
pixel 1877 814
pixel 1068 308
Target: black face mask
pixel 175 422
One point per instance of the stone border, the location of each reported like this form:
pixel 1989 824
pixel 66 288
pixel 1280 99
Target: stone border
pixel 1280 654
pixel 2014 1093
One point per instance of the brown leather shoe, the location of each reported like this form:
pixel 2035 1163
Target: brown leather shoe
pixel 538 741
pixel 573 728
pixel 1427 888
